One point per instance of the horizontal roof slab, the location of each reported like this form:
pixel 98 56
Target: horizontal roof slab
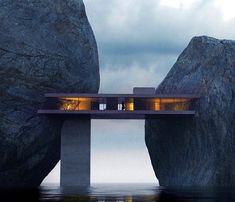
pixel 62 95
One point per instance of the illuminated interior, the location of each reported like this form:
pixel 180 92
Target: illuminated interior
pixel 156 104
pixel 130 104
pixel 174 104
pixel 75 103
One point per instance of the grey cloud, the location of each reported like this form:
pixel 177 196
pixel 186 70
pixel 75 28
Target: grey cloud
pixel 120 74
pixel 139 41
pixel 145 26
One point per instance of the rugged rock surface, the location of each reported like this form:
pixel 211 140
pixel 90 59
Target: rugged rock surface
pixel 198 151
pixel 45 46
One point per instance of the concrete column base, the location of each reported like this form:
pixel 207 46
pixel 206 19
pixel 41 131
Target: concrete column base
pixel 75 153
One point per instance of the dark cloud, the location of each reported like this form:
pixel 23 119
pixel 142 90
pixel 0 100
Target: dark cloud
pixel 138 26
pixel 148 36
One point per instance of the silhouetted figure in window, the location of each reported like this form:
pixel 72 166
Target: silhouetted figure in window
pixel 123 106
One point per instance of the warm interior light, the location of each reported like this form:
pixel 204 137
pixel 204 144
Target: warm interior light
pixel 173 100
pixel 157 105
pixel 128 199
pixel 130 106
pixel 77 99
pixel 75 103
pixel 174 104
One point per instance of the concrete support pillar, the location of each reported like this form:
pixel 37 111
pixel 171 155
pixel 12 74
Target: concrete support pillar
pixel 75 152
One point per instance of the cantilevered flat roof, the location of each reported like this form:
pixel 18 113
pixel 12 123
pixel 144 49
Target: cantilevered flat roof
pixel 95 95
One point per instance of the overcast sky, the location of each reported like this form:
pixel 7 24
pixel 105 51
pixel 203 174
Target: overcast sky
pixel 138 42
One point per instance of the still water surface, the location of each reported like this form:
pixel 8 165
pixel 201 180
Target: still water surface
pixel 120 193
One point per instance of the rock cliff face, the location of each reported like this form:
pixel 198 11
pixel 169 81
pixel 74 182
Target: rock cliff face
pixel 198 151
pixel 45 46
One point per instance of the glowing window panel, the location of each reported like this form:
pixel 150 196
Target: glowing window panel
pixel 75 103
pixel 130 105
pixel 174 104
pixel 157 105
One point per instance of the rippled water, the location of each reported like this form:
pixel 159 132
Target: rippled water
pixel 120 193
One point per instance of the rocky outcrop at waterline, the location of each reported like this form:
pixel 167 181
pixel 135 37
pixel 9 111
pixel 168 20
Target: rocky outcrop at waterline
pixel 45 46
pixel 198 151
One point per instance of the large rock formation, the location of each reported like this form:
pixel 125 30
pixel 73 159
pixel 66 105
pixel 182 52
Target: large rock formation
pixel 45 46
pixel 198 151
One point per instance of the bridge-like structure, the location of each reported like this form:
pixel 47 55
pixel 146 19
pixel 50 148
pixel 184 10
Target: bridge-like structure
pixel 77 111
